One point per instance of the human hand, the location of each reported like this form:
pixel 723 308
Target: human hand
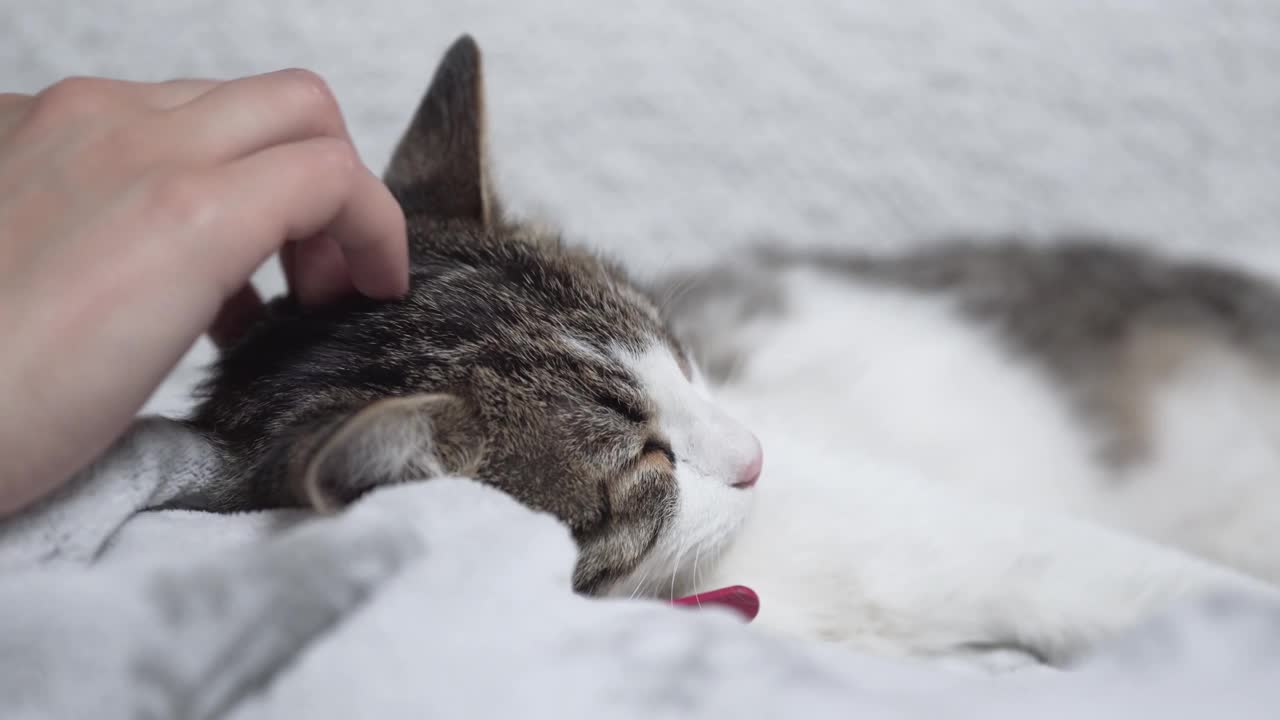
pixel 132 216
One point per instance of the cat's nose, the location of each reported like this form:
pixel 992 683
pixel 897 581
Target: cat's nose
pixel 750 472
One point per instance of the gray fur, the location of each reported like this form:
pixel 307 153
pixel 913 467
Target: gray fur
pixel 494 328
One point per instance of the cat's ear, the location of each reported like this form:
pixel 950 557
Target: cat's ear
pixel 439 167
pixel 389 441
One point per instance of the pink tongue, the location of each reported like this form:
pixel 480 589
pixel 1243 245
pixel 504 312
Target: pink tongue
pixel 739 598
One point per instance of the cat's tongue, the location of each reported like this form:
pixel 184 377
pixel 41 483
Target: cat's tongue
pixel 738 598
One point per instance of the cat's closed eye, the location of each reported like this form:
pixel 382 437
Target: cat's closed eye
pixel 628 409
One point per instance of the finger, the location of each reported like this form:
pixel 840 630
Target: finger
pixel 370 230
pixel 13 107
pixel 304 189
pixel 241 117
pixel 95 93
pixel 315 270
pixel 172 93
pixel 239 312
pixel 319 273
pixel 98 97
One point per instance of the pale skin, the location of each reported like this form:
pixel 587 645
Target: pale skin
pixel 132 216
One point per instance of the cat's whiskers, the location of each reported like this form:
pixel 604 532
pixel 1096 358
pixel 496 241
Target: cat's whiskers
pixel 697 585
pixel 643 579
pixel 675 570
pixel 675 292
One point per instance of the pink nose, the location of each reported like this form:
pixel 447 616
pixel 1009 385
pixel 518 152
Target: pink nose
pixel 751 471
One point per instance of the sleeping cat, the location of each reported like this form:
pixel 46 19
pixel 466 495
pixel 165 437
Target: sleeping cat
pixel 931 464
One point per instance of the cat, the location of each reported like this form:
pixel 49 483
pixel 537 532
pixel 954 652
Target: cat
pixel 544 370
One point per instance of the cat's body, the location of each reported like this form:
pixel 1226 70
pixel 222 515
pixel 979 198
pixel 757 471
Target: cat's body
pixel 1032 418
pixel 1079 377
pixel 939 469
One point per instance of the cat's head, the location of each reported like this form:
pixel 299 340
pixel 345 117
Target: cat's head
pixel 531 365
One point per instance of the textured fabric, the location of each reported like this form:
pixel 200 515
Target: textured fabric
pixel 448 599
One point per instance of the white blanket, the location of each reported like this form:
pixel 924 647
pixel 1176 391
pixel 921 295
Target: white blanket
pixel 668 132
pixel 447 599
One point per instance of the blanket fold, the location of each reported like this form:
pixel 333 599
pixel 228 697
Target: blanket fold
pixel 155 461
pixel 448 599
